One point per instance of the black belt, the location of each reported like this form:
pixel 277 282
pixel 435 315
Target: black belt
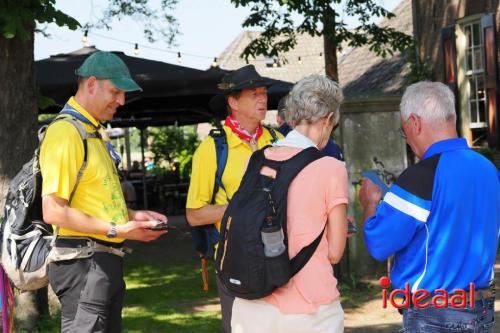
pixel 76 242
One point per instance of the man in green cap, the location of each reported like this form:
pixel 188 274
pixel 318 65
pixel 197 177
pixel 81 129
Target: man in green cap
pixel 82 198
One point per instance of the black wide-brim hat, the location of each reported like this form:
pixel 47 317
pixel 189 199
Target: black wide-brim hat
pixel 244 78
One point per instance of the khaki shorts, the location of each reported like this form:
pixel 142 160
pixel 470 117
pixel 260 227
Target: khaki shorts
pixel 261 317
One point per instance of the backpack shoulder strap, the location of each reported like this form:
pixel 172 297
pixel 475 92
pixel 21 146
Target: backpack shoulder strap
pixel 273 133
pixel 68 112
pixel 84 135
pixel 73 121
pixel 289 170
pixel 72 117
pixel 301 258
pixel 221 152
pixel 254 166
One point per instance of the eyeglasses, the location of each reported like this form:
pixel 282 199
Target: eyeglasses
pixel 402 133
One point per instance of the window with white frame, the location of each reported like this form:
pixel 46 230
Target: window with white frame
pixel 474 73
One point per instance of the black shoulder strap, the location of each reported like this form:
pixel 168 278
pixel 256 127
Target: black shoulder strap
pixel 254 166
pixel 289 170
pixel 221 152
pixel 294 165
pixel 273 133
pixel 301 259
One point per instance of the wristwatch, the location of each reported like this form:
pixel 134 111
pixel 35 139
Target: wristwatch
pixel 112 232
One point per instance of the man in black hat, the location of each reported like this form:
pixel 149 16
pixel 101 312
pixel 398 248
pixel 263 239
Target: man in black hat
pixel 244 92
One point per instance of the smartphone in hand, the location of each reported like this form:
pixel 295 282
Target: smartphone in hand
pixel 351 228
pixel 159 226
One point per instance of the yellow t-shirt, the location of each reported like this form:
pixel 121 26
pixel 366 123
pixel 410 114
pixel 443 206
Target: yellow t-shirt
pixel 205 165
pixel 99 193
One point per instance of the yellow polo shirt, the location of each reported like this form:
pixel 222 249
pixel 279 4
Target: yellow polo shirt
pixel 205 165
pixel 99 193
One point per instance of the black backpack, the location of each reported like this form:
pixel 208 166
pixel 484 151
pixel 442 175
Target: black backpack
pixel 241 264
pixel 205 237
pixel 26 238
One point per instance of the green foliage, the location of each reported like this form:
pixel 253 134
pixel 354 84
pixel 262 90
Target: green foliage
pixel 356 291
pixel 487 152
pixel 49 324
pixel 135 139
pixel 419 70
pixel 16 16
pixel 156 22
pixel 319 18
pixel 45 102
pixel 45 117
pixel 175 144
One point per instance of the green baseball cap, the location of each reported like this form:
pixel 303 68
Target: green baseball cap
pixel 108 66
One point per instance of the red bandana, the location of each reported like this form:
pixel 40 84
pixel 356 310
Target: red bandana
pixel 242 133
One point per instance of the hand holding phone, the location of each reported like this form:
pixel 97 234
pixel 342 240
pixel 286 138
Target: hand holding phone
pixel 351 228
pixel 374 177
pixel 159 226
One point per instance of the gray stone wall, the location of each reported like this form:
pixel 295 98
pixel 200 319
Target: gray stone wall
pixel 369 128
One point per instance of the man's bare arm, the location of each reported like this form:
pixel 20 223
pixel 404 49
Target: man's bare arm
pixel 56 211
pixel 208 214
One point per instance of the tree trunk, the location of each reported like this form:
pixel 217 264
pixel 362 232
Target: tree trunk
pixel 18 125
pixel 330 45
pixel 18 107
pixel 331 69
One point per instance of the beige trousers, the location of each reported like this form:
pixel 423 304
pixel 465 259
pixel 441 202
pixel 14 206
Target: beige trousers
pixel 261 317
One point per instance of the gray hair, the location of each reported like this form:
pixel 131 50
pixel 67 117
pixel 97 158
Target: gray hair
pixel 434 102
pixel 282 107
pixel 313 98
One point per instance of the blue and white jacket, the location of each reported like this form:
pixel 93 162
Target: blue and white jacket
pixel 441 219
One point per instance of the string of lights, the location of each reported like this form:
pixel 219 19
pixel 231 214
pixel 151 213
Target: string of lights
pixel 137 47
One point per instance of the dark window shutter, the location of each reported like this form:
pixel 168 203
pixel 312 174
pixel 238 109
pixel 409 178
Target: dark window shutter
pixel 449 52
pixel 491 76
pixel 449 55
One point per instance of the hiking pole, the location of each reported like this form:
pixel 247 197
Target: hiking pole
pixel 204 272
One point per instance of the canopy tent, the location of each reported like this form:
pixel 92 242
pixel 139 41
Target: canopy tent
pixel 172 94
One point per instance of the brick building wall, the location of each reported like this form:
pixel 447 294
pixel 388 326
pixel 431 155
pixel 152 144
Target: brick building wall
pixel 432 15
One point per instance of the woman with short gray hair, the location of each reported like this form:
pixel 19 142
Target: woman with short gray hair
pixel 313 98
pixel 317 200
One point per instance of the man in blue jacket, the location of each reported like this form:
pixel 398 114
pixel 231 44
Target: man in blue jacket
pixel 440 219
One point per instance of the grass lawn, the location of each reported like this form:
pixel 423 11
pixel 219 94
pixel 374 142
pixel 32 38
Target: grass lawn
pixel 168 298
pixel 163 298
pixel 164 289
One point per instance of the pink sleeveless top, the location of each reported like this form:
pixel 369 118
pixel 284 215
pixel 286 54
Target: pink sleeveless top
pixel 318 188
